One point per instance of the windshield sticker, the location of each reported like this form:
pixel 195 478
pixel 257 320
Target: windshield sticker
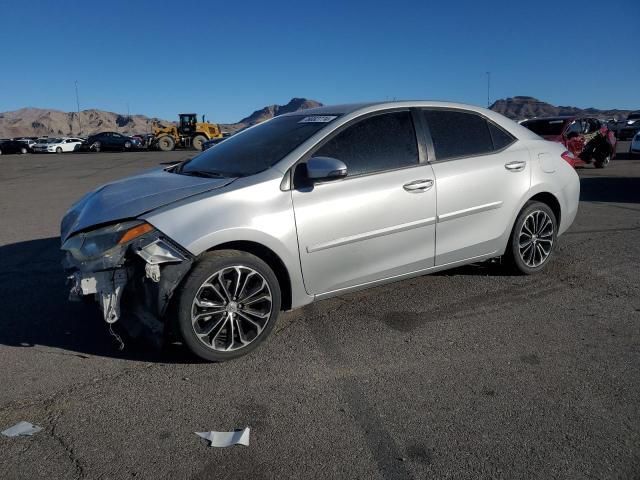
pixel 318 119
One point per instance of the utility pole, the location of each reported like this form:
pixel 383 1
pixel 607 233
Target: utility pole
pixel 488 88
pixel 78 109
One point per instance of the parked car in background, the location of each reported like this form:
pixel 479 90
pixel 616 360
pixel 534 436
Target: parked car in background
pixel 42 144
pixel 627 129
pixel 634 148
pixel 58 145
pixel 28 142
pixel 310 205
pixel 12 146
pixel 587 138
pixel 111 141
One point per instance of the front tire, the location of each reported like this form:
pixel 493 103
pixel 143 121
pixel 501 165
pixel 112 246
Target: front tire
pixel 59 150
pixel 23 151
pixel 96 146
pixel 533 238
pixel 166 143
pixel 228 305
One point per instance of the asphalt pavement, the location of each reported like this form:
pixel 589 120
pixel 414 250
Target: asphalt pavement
pixel 471 373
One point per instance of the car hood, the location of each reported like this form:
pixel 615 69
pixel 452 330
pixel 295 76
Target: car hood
pixel 133 196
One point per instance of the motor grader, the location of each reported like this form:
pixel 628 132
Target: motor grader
pixel 189 133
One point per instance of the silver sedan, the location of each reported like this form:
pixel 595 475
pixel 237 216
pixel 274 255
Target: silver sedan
pixel 310 205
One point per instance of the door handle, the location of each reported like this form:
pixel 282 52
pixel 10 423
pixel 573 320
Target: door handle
pixel 418 186
pixel 516 166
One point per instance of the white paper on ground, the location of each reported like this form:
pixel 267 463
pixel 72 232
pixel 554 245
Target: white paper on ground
pixel 22 428
pixel 226 439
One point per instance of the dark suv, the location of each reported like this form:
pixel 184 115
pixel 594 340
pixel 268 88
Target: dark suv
pixel 626 129
pixel 111 141
pixel 587 138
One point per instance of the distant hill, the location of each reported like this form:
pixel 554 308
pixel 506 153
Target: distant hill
pixel 519 108
pixel 38 121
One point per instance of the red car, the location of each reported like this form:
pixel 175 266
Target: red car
pixel 588 139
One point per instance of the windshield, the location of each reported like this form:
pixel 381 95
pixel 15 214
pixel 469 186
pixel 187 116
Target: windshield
pixel 257 148
pixel 545 127
pixel 633 116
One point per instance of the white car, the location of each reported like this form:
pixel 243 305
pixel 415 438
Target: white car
pixel 57 145
pixel 634 149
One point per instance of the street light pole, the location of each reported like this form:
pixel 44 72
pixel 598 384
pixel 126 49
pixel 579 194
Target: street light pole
pixel 488 88
pixel 78 109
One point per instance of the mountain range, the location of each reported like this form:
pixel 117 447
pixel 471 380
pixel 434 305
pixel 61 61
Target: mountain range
pixel 519 108
pixel 38 121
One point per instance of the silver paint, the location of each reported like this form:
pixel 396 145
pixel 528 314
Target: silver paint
pixel 355 232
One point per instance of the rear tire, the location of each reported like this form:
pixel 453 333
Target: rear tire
pixel 231 324
pixel 166 143
pixel 533 239
pixel 602 163
pixel 197 141
pixel 23 150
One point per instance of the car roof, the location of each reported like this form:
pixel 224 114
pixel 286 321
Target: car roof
pixel 347 108
pixel 354 110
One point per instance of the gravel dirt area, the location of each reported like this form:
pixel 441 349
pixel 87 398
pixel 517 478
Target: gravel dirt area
pixel 471 373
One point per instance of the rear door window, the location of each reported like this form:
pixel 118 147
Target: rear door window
pixel 459 134
pixel 382 142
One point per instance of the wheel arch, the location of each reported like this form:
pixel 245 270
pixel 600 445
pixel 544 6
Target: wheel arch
pixel 551 201
pixel 541 195
pixel 271 258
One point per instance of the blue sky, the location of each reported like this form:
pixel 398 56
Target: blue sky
pixel 226 59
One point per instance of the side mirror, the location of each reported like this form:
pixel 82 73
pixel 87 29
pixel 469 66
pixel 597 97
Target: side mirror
pixel 325 168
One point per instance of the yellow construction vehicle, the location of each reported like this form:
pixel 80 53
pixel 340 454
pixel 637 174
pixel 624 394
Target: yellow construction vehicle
pixel 188 134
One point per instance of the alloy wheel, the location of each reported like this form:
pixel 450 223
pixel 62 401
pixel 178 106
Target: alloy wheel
pixel 231 308
pixel 536 238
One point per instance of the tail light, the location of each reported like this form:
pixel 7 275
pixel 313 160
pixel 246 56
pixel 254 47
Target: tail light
pixel 569 157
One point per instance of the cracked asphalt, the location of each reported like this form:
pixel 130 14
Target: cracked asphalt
pixel 471 373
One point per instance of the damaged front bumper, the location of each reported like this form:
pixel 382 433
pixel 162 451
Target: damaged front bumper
pixel 133 282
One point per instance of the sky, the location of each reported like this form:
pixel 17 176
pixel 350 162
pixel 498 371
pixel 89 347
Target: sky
pixel 226 59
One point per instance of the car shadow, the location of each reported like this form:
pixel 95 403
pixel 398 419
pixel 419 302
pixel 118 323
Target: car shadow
pixel 36 310
pixel 493 268
pixel 610 189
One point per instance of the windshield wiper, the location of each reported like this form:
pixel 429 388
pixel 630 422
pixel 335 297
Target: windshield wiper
pixel 202 173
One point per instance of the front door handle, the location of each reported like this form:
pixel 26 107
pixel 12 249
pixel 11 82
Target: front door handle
pixel 418 186
pixel 516 166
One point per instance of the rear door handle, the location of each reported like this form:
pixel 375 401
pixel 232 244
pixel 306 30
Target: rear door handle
pixel 516 166
pixel 418 186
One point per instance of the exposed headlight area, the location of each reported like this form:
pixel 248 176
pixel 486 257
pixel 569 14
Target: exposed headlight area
pixel 109 241
pixel 127 255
